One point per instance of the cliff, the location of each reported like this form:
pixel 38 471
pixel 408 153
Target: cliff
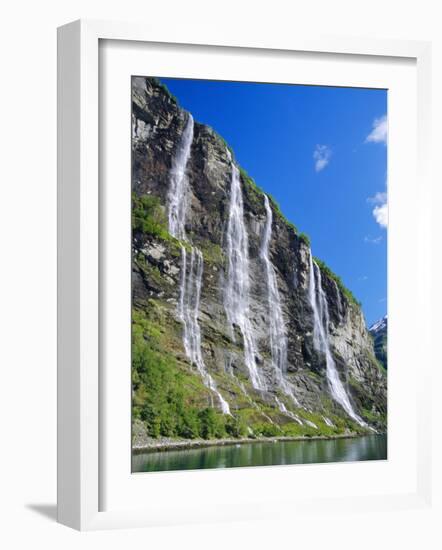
pixel 379 333
pixel 236 328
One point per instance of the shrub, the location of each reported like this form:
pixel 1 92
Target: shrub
pixel 236 427
pixel 267 430
pixel 149 217
pixel 161 394
pixel 212 424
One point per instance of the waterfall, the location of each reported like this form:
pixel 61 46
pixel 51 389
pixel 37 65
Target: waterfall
pixel 277 330
pixel 339 301
pixel 178 188
pixel 318 302
pixel 328 422
pixel 236 291
pixel 192 271
pixel 288 413
pixel 189 305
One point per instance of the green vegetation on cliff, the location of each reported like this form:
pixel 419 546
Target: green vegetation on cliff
pixel 149 209
pixel 347 292
pixel 251 185
pixel 173 402
pixel 148 216
pixel 257 193
pixel 167 397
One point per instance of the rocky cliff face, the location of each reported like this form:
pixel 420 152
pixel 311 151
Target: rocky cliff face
pixel 294 397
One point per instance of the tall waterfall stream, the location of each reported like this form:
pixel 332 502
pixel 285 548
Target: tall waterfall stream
pixel 237 286
pixel 192 270
pixel 318 302
pixel 277 329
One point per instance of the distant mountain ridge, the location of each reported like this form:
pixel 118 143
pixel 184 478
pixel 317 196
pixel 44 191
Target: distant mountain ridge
pixel 379 333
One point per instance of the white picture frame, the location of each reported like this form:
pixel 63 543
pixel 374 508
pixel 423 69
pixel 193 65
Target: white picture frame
pixel 80 438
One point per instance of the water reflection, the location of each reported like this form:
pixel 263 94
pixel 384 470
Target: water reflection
pixel 372 447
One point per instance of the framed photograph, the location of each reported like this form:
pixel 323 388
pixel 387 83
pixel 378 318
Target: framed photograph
pixel 234 260
pixel 246 349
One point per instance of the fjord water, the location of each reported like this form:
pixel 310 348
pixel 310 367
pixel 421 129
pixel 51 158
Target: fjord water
pixel 371 447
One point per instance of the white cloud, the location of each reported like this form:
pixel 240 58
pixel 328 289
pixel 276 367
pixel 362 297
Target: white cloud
pixel 379 198
pixel 363 278
pixel 380 211
pixel 379 133
pixel 380 214
pixel 373 240
pixel 321 156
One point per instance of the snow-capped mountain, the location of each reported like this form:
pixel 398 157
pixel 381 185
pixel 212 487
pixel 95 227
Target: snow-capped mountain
pixel 380 325
pixel 379 333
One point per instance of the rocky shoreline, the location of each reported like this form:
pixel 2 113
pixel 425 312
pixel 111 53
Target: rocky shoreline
pixel 165 444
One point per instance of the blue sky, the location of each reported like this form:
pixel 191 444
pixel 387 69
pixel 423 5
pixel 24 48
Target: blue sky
pixel 321 152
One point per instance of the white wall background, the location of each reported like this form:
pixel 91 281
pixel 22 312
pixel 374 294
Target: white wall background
pixel 28 267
